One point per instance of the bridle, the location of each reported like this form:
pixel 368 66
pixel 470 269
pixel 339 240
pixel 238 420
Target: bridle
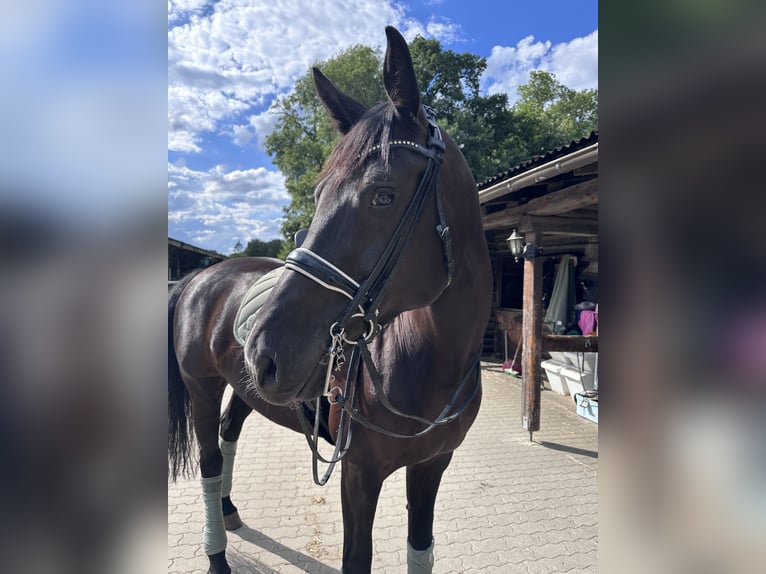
pixel 365 298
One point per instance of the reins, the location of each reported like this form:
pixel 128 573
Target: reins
pixel 443 418
pixel 349 410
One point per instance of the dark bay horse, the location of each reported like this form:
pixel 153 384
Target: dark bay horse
pixel 374 326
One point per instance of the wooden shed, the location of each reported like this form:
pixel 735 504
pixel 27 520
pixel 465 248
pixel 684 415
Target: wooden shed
pixel 184 258
pixel 552 202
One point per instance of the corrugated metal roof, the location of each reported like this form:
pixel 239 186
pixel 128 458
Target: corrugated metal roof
pixel 560 151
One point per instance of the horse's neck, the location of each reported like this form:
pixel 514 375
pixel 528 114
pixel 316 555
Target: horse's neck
pixel 451 329
pixel 462 310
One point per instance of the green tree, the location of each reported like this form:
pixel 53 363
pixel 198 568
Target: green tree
pixel 557 114
pixel 483 126
pixel 491 136
pixel 258 248
pixel 448 81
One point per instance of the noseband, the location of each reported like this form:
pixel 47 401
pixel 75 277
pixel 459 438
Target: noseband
pixel 364 300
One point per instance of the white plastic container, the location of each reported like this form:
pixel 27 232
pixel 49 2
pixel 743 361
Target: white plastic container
pixel 574 383
pixel 584 361
pixel 561 357
pixel 555 379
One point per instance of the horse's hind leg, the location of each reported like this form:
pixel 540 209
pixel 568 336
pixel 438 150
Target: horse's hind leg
pixel 206 411
pixel 422 485
pixel 231 427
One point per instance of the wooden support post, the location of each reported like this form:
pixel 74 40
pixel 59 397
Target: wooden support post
pixel 532 330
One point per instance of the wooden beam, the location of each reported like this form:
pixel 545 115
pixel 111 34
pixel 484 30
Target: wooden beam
pixel 532 328
pixel 558 225
pixel 562 201
pixel 572 343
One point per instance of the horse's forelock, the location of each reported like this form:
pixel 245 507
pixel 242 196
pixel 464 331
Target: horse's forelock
pixel 352 152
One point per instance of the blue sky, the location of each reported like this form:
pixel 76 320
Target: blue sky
pixel 229 60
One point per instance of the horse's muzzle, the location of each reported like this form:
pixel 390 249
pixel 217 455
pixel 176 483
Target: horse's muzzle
pixel 278 386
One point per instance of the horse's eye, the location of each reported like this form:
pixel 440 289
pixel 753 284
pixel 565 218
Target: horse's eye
pixel 383 198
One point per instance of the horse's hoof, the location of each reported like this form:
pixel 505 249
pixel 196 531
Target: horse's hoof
pixel 218 564
pixel 232 521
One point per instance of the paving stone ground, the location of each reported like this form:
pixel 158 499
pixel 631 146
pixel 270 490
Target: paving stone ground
pixel 506 505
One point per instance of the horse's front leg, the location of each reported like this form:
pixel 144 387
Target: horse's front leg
pixel 422 485
pixel 359 491
pixel 231 427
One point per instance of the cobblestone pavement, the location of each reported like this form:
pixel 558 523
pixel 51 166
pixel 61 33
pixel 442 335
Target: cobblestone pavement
pixel 506 505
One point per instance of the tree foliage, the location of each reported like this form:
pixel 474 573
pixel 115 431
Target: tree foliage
pixel 483 126
pixel 492 134
pixel 558 114
pixel 258 248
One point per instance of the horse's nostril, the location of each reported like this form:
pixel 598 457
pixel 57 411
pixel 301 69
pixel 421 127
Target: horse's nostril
pixel 265 370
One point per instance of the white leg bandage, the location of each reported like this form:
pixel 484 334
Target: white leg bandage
pixel 228 450
pixel 420 561
pixel 214 533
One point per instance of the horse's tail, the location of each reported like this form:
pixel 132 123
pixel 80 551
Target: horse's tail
pixel 180 429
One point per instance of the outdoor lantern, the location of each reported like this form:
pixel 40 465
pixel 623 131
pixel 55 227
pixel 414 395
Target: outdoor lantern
pixel 516 243
pixel 521 249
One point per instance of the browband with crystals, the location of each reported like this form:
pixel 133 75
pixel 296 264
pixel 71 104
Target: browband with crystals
pixel 400 143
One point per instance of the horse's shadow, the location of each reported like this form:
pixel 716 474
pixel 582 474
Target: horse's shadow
pixel 242 563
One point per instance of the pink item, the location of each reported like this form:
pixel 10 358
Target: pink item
pixel 587 322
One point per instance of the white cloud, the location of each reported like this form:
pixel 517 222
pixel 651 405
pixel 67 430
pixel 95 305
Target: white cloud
pixel 241 135
pixel 216 208
pixel 258 128
pixel 263 124
pixel 575 64
pixel 437 27
pixel 443 29
pixel 239 55
pixel 242 54
pixel 181 9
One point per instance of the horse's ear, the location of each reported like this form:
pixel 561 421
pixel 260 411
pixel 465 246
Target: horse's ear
pixel 344 110
pixel 399 75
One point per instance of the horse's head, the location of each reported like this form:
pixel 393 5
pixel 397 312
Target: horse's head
pixel 377 245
